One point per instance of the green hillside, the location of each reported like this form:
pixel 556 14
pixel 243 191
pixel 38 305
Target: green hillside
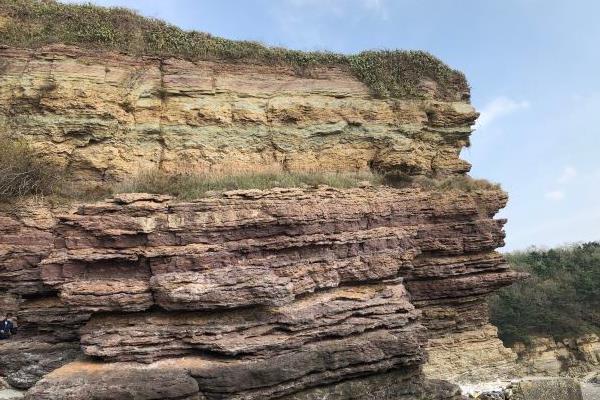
pixel 561 299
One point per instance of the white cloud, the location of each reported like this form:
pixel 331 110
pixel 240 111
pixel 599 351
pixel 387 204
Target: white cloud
pixel 555 195
pixel 497 108
pixel 568 174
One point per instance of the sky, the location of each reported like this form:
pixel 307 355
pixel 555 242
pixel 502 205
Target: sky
pixel 533 66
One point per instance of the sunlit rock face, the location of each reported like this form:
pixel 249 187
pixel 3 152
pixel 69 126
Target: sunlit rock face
pixel 294 294
pixel 105 116
pixel 257 294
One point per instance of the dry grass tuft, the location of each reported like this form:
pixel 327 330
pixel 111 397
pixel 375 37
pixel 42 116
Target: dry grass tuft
pixel 192 186
pixel 24 173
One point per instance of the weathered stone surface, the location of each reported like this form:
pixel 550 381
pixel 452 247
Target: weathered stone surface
pixel 223 288
pixel 549 357
pixel 316 364
pixel 264 332
pixel 25 239
pixel 387 386
pixel 24 362
pixel 474 355
pixel 293 294
pixel 309 240
pixel 547 389
pixel 81 380
pixel 49 319
pixel 250 276
pixel 11 394
pixel 106 115
pixel 107 295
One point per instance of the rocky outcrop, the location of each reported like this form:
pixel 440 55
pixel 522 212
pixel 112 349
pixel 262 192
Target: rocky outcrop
pixel 550 388
pixel 106 115
pixel 571 357
pixel 340 283
pixel 293 294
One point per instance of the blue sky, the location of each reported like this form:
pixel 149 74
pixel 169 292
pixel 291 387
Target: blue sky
pixel 533 66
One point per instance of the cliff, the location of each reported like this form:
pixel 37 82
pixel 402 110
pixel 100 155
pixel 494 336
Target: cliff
pixel 328 281
pixel 106 116
pixel 297 293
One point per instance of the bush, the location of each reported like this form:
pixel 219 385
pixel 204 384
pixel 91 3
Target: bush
pixel 23 172
pixel 35 23
pixel 561 299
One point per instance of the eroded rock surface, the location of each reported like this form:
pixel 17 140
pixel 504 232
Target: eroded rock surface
pixel 575 357
pixel 262 294
pixel 294 294
pixel 106 115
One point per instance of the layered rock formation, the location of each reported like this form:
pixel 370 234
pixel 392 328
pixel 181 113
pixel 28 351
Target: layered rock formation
pixel 575 357
pixel 295 294
pixel 255 294
pixel 105 116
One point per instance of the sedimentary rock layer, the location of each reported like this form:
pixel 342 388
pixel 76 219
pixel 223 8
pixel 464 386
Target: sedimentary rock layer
pixel 106 115
pixel 182 378
pixel 293 294
pixel 571 357
pixel 315 278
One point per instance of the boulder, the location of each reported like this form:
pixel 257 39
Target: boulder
pixel 547 389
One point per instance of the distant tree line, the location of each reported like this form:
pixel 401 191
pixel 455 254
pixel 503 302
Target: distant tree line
pixel 561 299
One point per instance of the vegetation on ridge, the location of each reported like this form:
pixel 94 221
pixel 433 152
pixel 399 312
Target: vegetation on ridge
pixel 35 23
pixel 24 173
pixel 560 300
pixel 194 186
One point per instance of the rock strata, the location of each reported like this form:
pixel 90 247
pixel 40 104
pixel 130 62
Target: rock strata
pixel 260 294
pixel 106 115
pixel 575 357
pixel 297 294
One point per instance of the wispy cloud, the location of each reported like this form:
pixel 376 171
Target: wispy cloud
pixel 567 175
pixel 304 23
pixel 499 107
pixel 339 7
pixel 555 195
pixel 377 6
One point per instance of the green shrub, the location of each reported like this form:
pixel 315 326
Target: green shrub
pixel 35 23
pixel 23 172
pixel 561 299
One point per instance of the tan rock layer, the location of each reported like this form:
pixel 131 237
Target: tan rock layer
pixel 568 357
pixel 106 116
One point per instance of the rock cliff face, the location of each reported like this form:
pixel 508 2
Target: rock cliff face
pixel 252 294
pixel 305 293
pixel 104 116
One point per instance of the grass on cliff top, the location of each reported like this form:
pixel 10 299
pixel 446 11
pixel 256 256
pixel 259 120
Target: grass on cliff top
pixel 193 186
pixel 35 23
pixel 560 300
